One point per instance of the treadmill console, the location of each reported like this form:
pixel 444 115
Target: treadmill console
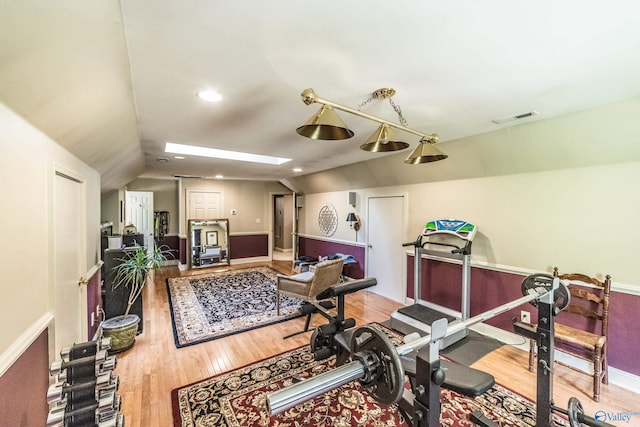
pixel 456 227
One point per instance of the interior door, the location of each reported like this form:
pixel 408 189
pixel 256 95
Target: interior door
pixel 278 223
pixel 205 205
pixel 70 298
pixel 385 254
pixel 140 213
pixel 294 225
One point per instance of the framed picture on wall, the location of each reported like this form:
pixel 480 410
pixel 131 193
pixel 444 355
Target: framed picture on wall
pixel 212 238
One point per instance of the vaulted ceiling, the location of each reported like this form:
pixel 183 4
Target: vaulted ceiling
pixel 113 81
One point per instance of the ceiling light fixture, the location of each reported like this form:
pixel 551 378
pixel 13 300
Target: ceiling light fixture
pixel 326 124
pixel 194 150
pixel 209 96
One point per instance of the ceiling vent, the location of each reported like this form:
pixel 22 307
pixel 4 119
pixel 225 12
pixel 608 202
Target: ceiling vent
pixel 515 117
pixel 187 176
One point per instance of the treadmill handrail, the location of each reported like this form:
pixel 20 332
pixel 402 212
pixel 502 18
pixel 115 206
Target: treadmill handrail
pixel 466 250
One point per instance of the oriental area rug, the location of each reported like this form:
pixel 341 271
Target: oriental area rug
pixel 237 398
pixel 215 305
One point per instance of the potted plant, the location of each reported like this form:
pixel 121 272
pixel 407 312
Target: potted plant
pixel 133 271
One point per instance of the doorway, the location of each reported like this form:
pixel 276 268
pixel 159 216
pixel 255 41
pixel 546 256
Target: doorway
pixel 70 297
pixel 283 242
pixel 385 254
pixel 139 212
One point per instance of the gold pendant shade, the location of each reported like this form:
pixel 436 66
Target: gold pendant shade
pixel 326 124
pixel 425 152
pixel 383 140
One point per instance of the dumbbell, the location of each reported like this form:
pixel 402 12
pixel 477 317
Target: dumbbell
pixel 85 349
pixel 115 421
pixel 101 363
pixel 104 409
pixel 102 384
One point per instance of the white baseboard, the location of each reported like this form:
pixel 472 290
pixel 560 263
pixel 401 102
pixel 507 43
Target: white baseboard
pixel 616 376
pixel 250 260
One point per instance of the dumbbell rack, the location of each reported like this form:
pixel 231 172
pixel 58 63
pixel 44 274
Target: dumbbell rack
pixel 85 391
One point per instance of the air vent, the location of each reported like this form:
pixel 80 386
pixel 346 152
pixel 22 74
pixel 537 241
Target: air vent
pixel 515 117
pixel 187 176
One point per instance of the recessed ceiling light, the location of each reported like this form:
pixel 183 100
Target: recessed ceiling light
pixel 194 150
pixel 297 169
pixel 210 95
pixel 178 157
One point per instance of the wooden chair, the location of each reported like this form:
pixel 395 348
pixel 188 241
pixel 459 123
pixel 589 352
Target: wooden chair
pixel 308 285
pixel 589 312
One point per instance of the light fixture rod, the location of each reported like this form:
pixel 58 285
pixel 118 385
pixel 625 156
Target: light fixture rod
pixel 309 97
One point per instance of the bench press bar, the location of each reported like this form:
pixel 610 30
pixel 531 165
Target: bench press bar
pixel 286 398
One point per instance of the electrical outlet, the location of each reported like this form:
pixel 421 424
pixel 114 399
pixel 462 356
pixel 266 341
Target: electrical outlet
pixel 525 316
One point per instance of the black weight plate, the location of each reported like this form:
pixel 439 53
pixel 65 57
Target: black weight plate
pixel 561 296
pixel 388 385
pixel 574 408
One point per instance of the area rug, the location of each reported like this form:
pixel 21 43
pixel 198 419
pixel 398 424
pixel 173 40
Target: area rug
pixel 215 305
pixel 237 398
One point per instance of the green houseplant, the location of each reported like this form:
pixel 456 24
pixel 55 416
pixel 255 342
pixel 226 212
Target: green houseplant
pixel 132 271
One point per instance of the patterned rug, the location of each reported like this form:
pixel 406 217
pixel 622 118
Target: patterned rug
pixel 216 305
pixel 237 398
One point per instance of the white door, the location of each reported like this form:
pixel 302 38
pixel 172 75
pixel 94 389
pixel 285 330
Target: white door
pixel 385 254
pixel 294 225
pixel 70 305
pixel 139 212
pixel 205 205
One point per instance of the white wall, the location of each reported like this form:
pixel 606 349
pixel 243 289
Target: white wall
pixel 560 191
pixel 27 161
pixel 250 199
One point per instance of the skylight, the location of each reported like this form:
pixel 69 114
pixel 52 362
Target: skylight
pixel 193 150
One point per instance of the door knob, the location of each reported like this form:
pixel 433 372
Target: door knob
pixel 369 245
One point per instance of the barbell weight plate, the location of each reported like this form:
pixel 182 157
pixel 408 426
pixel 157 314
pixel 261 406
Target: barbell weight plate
pixel 387 385
pixel 574 408
pixel 561 296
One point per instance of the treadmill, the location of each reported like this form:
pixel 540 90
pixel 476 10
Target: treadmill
pixel 442 238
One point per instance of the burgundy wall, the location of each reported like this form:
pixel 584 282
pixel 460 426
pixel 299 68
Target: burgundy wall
pixel 24 387
pixel 94 298
pixel 316 247
pixel 240 246
pixel 182 249
pixel 172 242
pixel 441 284
pixel 248 246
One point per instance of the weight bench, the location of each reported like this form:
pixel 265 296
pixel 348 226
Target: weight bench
pixel 323 339
pixel 459 378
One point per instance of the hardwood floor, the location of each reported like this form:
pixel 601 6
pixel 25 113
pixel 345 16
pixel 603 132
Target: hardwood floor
pixel 154 366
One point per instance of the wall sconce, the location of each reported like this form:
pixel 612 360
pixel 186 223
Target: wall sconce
pixel 353 221
pixel 326 125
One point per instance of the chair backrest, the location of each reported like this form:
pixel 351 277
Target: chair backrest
pixel 590 303
pixel 326 275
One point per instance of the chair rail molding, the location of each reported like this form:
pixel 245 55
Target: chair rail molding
pixel 13 353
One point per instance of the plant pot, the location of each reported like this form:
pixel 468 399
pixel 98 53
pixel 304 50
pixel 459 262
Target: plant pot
pixel 122 330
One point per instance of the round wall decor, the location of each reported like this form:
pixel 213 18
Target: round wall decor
pixel 328 220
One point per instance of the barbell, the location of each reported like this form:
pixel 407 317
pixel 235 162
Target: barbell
pixel 375 361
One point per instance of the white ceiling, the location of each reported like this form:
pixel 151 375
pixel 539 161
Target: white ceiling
pixel 113 89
